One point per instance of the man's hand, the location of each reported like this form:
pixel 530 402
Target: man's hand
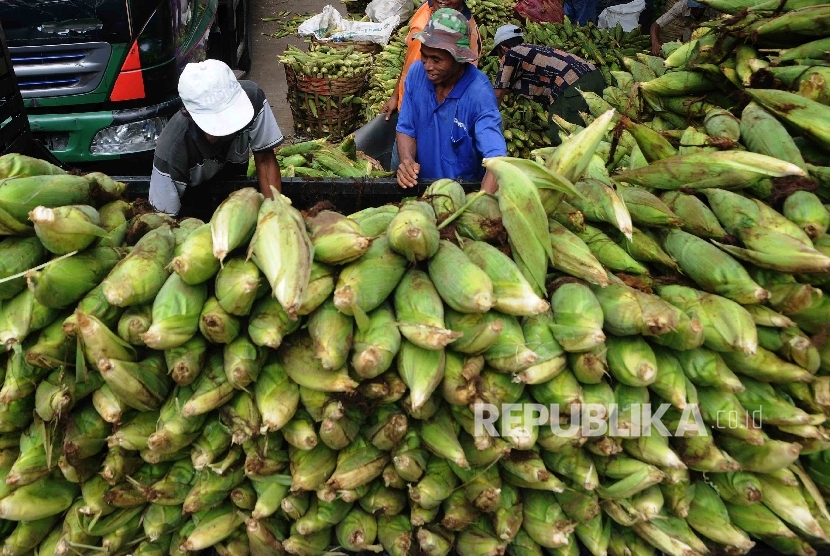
pixel 655 48
pixel 268 173
pixel 391 106
pixel 655 40
pixel 408 173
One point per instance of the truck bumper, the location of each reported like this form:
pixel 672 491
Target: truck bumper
pixel 102 136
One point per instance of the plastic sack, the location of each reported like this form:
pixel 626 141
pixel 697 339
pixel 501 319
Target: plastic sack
pixel 540 11
pixel 381 10
pixel 331 26
pixel 627 15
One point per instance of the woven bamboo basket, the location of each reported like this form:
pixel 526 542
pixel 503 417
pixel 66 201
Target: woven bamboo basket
pixel 366 47
pixel 325 107
pixel 674 30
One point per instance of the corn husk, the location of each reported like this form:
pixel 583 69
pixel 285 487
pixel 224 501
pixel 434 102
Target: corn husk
pixel 577 318
pixel 138 277
pixel 234 221
pixel 332 333
pixel 297 356
pixel 243 362
pixel 336 239
pixel 283 252
pixel 362 287
pixel 68 228
pixel 195 262
pixel 713 270
pixel 238 283
pixel 376 345
pixel 479 331
pixel 218 326
pixel 461 284
pixel 412 232
pixel 420 312
pixel 512 293
pixel 184 363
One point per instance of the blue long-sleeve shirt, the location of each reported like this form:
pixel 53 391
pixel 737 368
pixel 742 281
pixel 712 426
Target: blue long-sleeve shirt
pixel 454 136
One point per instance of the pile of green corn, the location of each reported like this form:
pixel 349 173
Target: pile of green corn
pixel 318 159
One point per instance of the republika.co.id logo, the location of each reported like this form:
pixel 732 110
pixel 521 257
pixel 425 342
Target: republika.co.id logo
pixel 590 420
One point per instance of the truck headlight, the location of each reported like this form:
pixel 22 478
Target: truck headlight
pixel 127 138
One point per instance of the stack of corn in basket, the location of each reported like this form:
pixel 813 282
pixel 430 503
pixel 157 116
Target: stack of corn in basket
pixel 273 381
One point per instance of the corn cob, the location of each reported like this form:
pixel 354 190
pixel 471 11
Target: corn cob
pixel 551 356
pixel 766 366
pixel 336 239
pixel 194 261
pixel 67 281
pixel 148 259
pixel 712 269
pixel 297 357
pixel 134 322
pixel 22 315
pixel 233 222
pixel 14 165
pixel 647 209
pixel 216 325
pixel 512 293
pixel 361 288
pixel 67 228
pixel 375 346
pixel 375 220
pixel 412 231
pixel 799 112
pixel 281 237
pixel 210 390
pixel 184 363
pixel 609 253
pixel 724 169
pixel 600 203
pixel 19 254
pixel 572 256
pixel 523 216
pixel 142 385
pixel 331 332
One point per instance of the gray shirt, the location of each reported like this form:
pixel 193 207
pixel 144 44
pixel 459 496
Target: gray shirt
pixel 185 158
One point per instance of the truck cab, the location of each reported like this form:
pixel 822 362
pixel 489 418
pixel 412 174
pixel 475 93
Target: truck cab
pixel 99 77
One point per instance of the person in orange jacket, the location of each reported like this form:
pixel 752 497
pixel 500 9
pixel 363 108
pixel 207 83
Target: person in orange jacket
pixel 417 23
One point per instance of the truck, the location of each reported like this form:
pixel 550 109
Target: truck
pixel 99 77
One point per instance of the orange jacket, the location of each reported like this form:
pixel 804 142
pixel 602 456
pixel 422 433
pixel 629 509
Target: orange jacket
pixel 413 46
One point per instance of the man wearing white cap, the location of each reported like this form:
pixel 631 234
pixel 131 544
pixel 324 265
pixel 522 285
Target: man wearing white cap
pixel 223 120
pixel 544 74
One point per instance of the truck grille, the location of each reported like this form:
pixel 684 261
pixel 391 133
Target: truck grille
pixel 58 70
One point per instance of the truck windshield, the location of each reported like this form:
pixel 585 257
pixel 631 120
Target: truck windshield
pixel 34 22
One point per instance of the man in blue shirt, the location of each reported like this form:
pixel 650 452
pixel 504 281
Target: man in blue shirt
pixel 449 120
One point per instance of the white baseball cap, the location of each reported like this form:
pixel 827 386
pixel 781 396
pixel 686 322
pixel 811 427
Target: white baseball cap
pixel 214 98
pixel 506 32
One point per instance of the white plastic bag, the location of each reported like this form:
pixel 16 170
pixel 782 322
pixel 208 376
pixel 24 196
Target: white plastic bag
pixel 331 26
pixel 627 15
pixel 380 10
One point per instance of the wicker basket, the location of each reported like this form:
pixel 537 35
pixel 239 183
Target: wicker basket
pixel 321 107
pixel 366 47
